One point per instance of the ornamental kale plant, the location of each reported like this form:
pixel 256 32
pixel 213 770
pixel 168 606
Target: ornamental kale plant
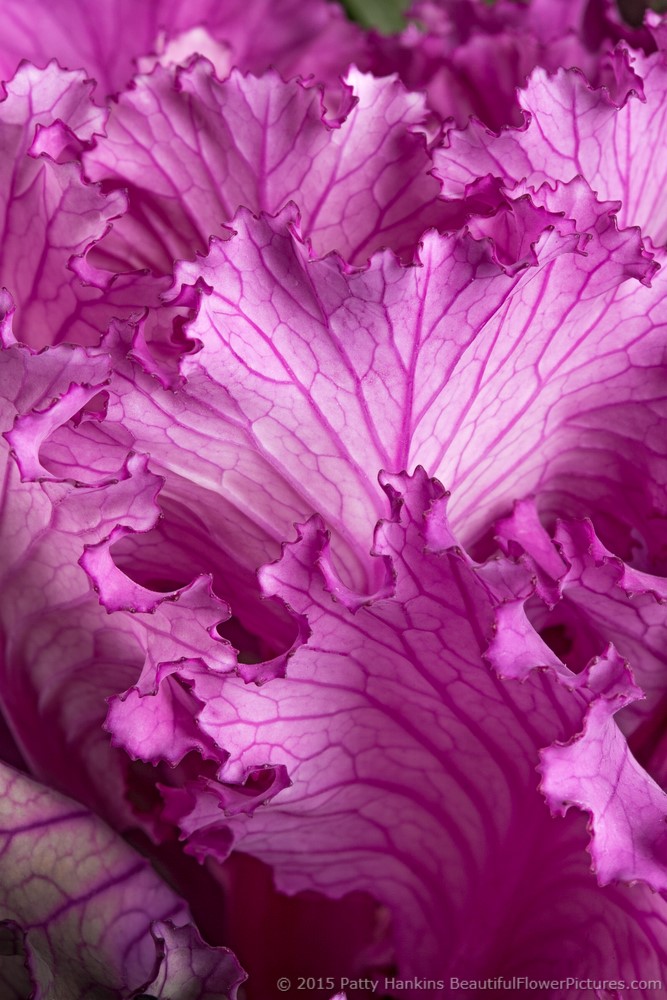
pixel 333 600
